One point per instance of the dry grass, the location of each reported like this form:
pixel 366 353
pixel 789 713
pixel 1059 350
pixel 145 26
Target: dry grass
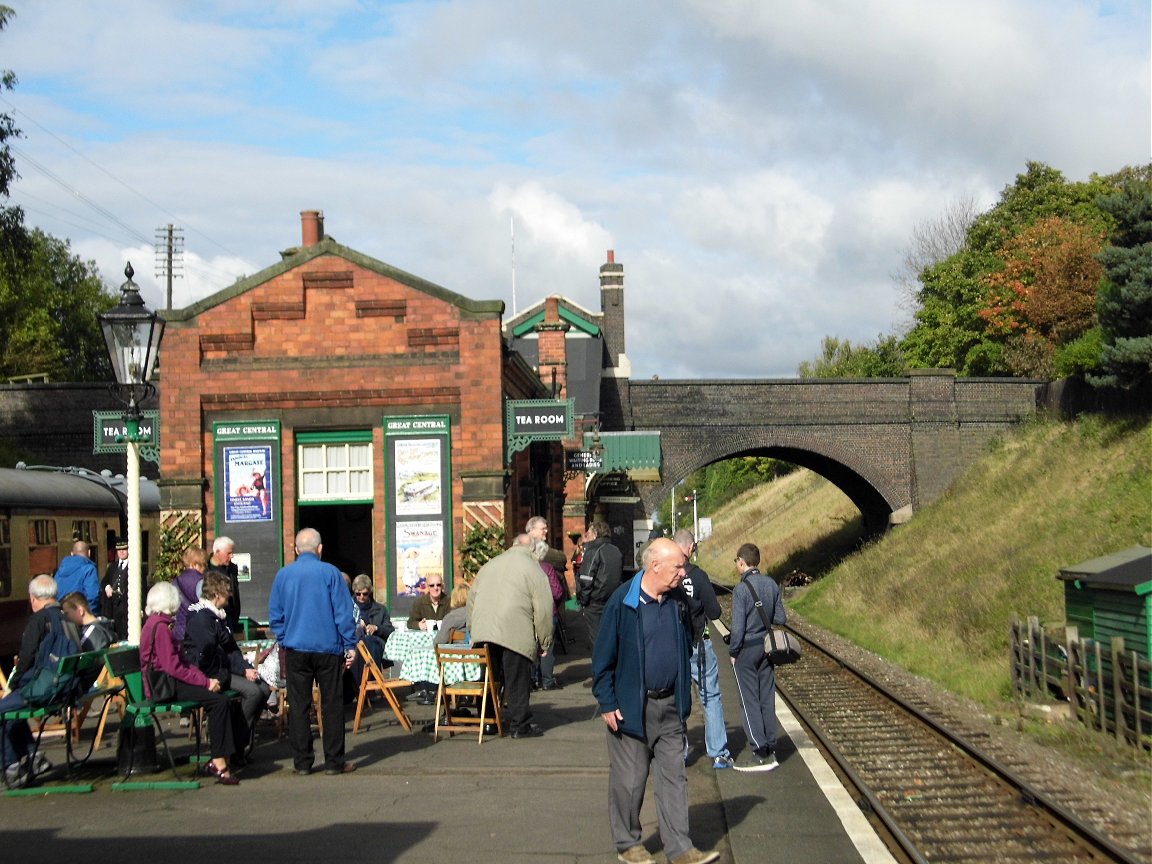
pixel 936 595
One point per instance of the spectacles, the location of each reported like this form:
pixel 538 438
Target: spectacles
pixel 362 593
pixel 435 584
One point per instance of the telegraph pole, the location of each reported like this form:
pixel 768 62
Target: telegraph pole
pixel 169 248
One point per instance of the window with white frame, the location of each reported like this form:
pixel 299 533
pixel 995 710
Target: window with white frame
pixel 335 470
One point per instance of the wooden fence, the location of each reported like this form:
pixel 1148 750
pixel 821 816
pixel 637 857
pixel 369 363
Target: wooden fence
pixel 1108 688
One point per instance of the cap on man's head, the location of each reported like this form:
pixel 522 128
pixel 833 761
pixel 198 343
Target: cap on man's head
pixel 121 543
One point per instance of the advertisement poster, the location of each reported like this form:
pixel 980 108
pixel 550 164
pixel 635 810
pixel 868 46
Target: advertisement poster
pixel 419 554
pixel 247 496
pixel 418 480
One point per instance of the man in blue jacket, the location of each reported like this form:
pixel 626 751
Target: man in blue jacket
pixel 642 683
pixel 310 613
pixel 77 572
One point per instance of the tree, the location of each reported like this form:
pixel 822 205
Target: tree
pixel 49 298
pixel 1044 295
pixel 950 329
pixel 1125 305
pixel 933 241
pixel 841 359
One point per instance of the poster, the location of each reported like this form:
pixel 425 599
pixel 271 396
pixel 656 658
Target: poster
pixel 419 554
pixel 247 496
pixel 418 481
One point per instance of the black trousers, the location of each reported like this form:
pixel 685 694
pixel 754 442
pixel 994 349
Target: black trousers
pixel 515 671
pixel 227 731
pixel 302 668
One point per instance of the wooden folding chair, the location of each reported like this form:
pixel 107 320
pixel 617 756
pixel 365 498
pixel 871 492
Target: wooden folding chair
pixel 459 662
pixel 372 680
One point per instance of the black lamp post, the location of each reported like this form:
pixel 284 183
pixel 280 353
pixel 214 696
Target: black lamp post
pixel 133 332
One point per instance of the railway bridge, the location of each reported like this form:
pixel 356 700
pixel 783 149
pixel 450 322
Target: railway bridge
pixel 892 444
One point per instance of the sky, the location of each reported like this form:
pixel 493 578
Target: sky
pixel 758 166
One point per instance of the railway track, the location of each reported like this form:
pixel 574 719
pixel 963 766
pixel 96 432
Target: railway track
pixel 941 795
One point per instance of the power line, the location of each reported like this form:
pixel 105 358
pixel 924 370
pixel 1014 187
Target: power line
pixel 109 174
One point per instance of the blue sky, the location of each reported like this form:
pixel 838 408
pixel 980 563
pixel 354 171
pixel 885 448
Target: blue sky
pixel 758 166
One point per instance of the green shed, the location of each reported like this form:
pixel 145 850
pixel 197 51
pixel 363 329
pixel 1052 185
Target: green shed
pixel 1112 596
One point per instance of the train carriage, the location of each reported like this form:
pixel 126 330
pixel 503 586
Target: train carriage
pixel 43 511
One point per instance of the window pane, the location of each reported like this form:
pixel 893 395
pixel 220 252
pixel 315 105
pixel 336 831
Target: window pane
pixel 337 455
pixel 337 483
pixel 313 484
pixel 360 483
pixel 359 455
pixel 311 457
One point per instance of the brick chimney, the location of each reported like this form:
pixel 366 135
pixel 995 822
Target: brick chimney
pixel 612 307
pixel 311 227
pixel 553 353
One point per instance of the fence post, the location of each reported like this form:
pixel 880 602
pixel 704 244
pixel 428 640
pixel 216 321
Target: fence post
pixel 1072 650
pixel 1033 635
pixel 1014 655
pixel 1118 687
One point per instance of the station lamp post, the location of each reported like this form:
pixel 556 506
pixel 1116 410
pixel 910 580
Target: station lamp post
pixel 132 332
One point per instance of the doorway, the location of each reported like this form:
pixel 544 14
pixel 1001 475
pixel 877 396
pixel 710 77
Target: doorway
pixel 346 533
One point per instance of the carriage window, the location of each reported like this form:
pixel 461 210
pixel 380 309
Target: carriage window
pixel 41 532
pixel 84 529
pixel 5 558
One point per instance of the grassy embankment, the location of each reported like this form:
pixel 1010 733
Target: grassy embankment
pixel 936 595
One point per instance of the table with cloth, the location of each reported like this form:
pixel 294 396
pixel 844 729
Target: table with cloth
pixel 414 654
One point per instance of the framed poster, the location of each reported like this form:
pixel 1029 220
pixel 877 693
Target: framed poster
pixel 419 497
pixel 247 482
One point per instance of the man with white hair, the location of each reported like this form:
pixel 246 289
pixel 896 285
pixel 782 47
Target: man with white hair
pixel 311 614
pixel 46 621
pixel 223 548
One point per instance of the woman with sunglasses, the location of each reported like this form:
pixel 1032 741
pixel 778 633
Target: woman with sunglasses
pixel 372 624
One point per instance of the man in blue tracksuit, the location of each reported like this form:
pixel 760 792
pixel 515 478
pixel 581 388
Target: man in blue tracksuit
pixel 642 684
pixel 311 614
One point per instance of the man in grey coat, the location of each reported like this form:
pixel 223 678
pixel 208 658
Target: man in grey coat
pixel 510 610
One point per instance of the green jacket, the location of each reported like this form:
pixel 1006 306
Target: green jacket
pixel 511 604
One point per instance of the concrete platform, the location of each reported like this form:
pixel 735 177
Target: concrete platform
pixel 534 800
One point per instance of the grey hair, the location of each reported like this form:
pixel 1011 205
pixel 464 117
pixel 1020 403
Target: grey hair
pixel 684 538
pixel 163 599
pixel 307 540
pixel 533 522
pixel 222 543
pixel 362 582
pixel 539 550
pixel 42 587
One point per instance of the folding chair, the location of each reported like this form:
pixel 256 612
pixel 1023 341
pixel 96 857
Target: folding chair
pixel 372 680
pixel 142 712
pixel 454 663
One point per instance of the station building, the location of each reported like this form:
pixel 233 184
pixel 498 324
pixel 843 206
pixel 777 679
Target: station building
pixel 334 391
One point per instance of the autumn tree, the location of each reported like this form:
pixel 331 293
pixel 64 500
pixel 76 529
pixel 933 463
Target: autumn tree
pixel 1044 294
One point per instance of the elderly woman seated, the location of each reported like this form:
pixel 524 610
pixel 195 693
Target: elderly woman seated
pixel 456 621
pixel 158 651
pixel 210 645
pixel 373 625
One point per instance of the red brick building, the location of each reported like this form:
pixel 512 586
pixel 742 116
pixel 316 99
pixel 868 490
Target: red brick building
pixel 334 391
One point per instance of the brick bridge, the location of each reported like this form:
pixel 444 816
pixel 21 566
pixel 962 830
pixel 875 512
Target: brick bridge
pixel 892 445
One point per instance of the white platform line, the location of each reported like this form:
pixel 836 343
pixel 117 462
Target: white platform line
pixel 860 832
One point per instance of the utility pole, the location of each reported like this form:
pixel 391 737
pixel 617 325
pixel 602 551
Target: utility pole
pixel 169 248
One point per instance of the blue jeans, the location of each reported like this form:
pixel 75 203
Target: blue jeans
pixel 706 675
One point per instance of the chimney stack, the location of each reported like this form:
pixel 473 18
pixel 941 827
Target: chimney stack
pixel 311 227
pixel 612 308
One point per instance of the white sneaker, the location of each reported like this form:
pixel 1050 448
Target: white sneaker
pixel 41 765
pixel 16 776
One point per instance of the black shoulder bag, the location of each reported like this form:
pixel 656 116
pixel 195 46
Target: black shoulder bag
pixel 161 685
pixel 780 646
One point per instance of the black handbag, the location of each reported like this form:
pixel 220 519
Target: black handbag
pixel 161 685
pixel 780 646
